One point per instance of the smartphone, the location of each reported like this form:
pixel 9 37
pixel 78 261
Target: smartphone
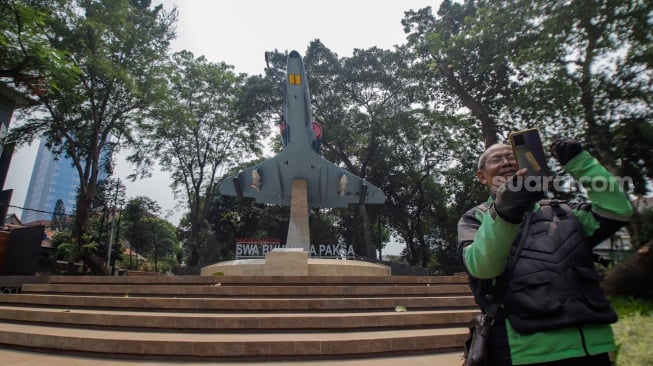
pixel 528 150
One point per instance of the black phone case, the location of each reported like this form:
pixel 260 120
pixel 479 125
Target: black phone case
pixel 528 150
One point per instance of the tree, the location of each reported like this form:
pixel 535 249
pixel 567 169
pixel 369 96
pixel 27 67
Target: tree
pixel 59 219
pixel 136 228
pixel 196 132
pixel 357 99
pixel 28 60
pixel 426 182
pixel 370 104
pixel 109 198
pixel 119 46
pixel 464 54
pixel 600 59
pixel 461 191
pixel 589 63
pixel 148 234
pixel 578 69
pixel 162 239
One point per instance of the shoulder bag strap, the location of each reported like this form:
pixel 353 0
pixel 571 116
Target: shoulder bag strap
pixel 495 302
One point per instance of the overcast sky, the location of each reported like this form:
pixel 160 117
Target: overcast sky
pixel 239 33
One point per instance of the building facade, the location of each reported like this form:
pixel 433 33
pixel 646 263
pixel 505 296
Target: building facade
pixel 51 180
pixel 10 99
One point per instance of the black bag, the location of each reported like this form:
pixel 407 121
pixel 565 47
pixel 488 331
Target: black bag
pixel 475 347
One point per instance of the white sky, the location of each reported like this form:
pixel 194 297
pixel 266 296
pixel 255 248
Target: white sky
pixel 239 33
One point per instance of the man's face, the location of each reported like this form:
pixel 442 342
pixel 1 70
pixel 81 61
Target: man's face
pixel 498 166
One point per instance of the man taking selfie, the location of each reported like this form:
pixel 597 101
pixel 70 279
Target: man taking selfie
pixel 530 260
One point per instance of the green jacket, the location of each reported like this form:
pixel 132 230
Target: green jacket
pixel 485 244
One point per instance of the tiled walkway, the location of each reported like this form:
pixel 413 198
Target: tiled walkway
pixel 9 357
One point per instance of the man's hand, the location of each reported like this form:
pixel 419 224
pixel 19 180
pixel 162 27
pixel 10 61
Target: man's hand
pixel 515 197
pixel 565 150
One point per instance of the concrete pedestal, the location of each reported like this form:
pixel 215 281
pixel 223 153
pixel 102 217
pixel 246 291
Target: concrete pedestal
pixel 295 264
pixel 299 234
pixel 286 262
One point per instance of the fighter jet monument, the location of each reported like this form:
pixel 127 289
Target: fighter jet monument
pixel 298 176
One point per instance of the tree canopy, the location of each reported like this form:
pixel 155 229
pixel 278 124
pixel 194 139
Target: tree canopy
pixel 196 131
pixel 411 120
pixel 29 61
pixel 119 48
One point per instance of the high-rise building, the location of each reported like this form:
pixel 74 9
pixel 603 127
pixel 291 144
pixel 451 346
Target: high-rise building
pixel 10 98
pixel 51 180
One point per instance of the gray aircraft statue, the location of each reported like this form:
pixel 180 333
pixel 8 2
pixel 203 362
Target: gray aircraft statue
pixel 327 185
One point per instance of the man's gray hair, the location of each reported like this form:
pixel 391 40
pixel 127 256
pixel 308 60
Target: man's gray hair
pixel 483 159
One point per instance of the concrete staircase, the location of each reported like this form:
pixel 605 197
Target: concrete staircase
pixel 207 318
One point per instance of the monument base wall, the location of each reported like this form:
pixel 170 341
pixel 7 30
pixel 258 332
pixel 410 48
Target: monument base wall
pixel 295 263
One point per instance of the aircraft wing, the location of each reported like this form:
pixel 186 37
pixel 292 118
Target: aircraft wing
pixel 327 184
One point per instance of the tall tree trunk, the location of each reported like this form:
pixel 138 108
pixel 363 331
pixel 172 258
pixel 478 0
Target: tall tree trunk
pixel 411 249
pixel 82 215
pixel 195 227
pixel 193 253
pixel 488 126
pixel 367 232
pixel 423 247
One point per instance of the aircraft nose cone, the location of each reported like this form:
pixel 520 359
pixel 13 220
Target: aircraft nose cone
pixel 294 54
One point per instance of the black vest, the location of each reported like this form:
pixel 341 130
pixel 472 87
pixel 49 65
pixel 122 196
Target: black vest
pixel 554 284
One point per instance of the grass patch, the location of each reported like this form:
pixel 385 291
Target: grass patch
pixel 633 331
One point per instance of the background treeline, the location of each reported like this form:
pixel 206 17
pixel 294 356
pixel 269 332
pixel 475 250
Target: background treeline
pixel 411 120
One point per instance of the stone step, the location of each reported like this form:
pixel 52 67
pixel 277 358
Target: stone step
pixel 270 322
pixel 219 290
pixel 238 318
pixel 260 280
pixel 240 304
pixel 213 345
pixel 13 357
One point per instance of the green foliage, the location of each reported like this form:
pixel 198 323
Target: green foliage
pixel 411 120
pixel 96 112
pixel 149 235
pixel 196 131
pixel 64 238
pixel 178 254
pixel 632 331
pixel 28 59
pixel 69 249
pixel 568 68
pixel 59 218
pixel 366 104
pixel 465 53
pixel 104 224
pixel 628 306
pixel 645 234
pixel 230 218
pixel 584 63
